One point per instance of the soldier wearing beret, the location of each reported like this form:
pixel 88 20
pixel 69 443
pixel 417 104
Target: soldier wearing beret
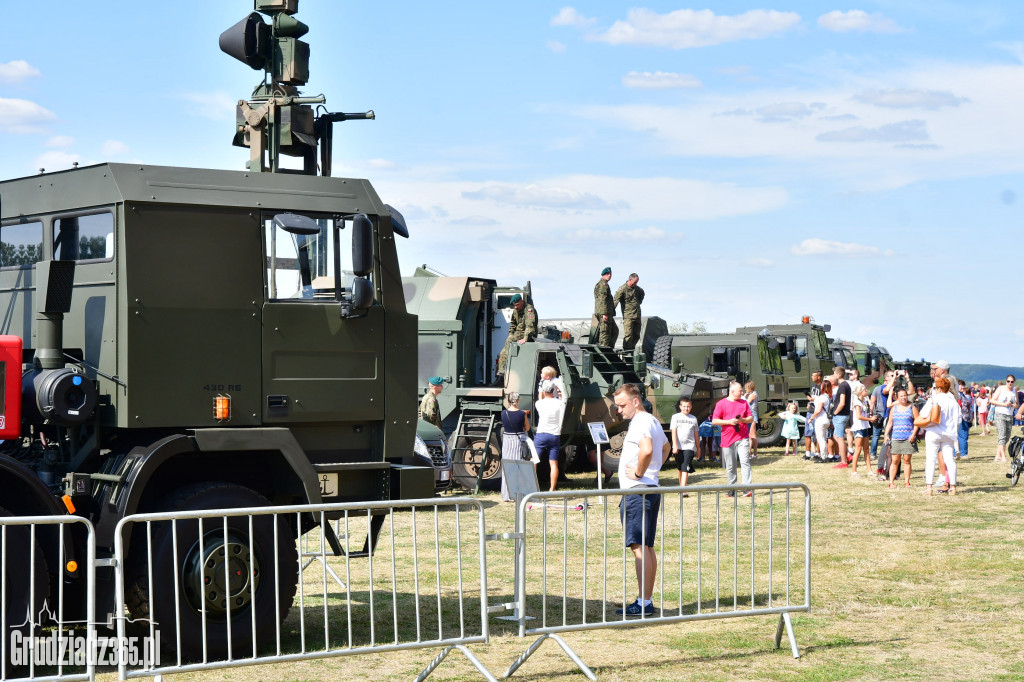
pixel 603 329
pixel 521 328
pixel 429 410
pixel 630 296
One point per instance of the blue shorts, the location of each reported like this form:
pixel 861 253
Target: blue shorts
pixel 639 515
pixel 547 443
pixel 862 433
pixel 840 423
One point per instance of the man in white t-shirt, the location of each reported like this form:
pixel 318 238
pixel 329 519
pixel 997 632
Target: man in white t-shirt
pixel 644 451
pixel 548 437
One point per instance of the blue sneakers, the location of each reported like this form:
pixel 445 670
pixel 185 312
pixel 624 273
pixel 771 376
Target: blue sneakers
pixel 635 609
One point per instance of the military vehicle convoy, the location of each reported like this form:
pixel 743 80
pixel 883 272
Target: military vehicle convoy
pixel 203 339
pixel 743 356
pixel 463 325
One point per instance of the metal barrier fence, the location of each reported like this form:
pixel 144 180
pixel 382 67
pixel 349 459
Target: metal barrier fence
pixel 422 587
pixel 718 554
pixel 38 571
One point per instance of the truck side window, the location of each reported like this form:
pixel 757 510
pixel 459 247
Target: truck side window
pixel 21 244
pixel 801 346
pixel 308 267
pixel 85 237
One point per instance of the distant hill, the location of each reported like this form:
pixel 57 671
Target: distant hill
pixel 971 373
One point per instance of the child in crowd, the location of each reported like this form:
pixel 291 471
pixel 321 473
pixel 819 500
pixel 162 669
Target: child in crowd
pixel 810 442
pixel 551 374
pixel 685 440
pixel 791 427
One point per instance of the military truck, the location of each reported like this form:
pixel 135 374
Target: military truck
pixel 463 325
pixel 918 372
pixel 872 361
pixel 804 350
pixel 740 356
pixel 182 339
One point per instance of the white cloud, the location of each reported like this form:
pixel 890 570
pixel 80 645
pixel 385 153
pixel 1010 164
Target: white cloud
pixel 642 234
pixel 475 221
pixel 907 98
pixel 687 28
pixel 568 16
pixel 215 106
pixel 22 116
pixel 536 196
pixel 57 160
pixel 759 263
pixel 114 148
pixel 784 111
pixel 556 47
pixel 659 80
pixel 823 247
pixel 17 71
pixel 858 20
pixel 902 131
pixel 60 141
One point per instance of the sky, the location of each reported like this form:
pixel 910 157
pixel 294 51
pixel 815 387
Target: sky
pixel 754 163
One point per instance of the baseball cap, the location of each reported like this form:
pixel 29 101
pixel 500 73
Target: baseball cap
pixel 942 364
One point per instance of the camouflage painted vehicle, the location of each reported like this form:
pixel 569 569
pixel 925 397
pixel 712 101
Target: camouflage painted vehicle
pixel 578 330
pixel 740 356
pixel 804 350
pixel 461 333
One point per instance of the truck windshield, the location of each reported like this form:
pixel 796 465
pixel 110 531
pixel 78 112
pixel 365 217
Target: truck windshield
pixel 776 357
pixel 307 267
pixel 820 344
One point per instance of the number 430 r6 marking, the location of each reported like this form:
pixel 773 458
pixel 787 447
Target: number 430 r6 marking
pixel 222 387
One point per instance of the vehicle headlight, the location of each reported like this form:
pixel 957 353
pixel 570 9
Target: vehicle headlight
pixel 420 448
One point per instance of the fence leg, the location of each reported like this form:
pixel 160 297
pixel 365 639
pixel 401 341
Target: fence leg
pixel 784 619
pixel 466 652
pixel 565 647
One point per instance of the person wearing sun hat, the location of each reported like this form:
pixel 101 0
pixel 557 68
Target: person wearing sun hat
pixel 429 409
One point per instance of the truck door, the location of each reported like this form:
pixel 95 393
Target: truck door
pixel 317 365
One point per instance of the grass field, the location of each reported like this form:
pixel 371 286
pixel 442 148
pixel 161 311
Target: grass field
pixel 904 587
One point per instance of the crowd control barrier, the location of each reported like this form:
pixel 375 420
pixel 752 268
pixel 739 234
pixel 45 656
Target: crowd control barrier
pixel 47 599
pixel 411 574
pixel 719 554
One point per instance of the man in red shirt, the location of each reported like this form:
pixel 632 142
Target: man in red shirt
pixel 734 416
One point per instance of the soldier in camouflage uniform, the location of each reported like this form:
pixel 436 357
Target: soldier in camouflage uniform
pixel 630 296
pixel 429 410
pixel 521 328
pixel 603 329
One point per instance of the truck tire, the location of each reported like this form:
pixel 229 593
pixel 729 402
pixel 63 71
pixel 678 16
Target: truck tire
pixel 769 432
pixel 466 463
pixel 21 580
pixel 663 352
pixel 193 574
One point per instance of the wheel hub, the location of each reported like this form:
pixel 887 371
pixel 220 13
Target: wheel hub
pixel 221 575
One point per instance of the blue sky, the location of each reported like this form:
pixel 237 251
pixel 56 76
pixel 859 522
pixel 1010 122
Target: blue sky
pixel 860 163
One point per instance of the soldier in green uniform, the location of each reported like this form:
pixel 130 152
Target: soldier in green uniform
pixel 429 411
pixel 521 328
pixel 630 296
pixel 603 329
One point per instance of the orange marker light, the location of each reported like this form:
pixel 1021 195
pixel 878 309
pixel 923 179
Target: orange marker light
pixel 806 319
pixel 72 566
pixel 68 503
pixel 222 408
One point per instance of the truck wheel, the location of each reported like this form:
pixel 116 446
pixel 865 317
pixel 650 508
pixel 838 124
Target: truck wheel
pixel 663 352
pixel 217 577
pixel 21 580
pixel 769 432
pixel 466 463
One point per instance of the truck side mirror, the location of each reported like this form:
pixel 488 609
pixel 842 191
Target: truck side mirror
pixel 359 299
pixel 362 246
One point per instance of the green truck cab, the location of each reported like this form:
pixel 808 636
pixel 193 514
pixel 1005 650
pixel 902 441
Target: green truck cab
pixel 740 356
pixel 204 339
pixel 872 361
pixel 804 350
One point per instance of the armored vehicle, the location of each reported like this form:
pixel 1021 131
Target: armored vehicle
pixel 804 350
pixel 203 339
pixel 462 330
pixel 740 356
